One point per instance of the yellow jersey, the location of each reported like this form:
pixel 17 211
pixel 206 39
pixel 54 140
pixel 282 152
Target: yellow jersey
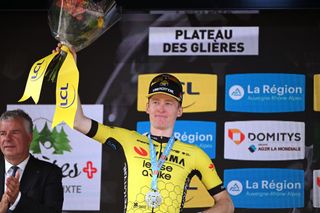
pixel 183 162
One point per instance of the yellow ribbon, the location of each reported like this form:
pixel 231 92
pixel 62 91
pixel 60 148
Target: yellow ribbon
pixel 35 78
pixel 66 91
pixel 66 88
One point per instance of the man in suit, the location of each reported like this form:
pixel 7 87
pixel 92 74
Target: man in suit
pixel 36 185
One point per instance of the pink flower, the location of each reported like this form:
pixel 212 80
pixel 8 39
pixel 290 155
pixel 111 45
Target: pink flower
pixel 76 8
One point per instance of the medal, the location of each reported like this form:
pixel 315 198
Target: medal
pixel 153 199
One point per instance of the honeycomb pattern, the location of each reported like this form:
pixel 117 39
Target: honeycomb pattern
pixel 171 196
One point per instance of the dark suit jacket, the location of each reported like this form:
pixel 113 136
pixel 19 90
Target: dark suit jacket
pixel 40 187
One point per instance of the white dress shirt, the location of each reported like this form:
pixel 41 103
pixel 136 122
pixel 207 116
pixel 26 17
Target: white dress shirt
pixel 8 170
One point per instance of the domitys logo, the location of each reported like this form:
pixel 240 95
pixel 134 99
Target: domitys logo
pixel 236 135
pixel 54 139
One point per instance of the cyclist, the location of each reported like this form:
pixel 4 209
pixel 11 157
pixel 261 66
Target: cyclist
pixel 158 167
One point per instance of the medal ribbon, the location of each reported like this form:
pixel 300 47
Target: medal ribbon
pixel 156 166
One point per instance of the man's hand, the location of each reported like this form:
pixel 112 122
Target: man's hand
pixel 13 187
pixel 223 203
pixel 4 203
pixel 73 52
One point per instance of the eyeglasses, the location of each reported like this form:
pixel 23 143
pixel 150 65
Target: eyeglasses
pixel 165 77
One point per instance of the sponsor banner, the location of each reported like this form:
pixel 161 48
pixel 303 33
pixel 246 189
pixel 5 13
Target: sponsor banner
pixel 203 41
pixel 78 156
pixel 264 140
pixel 265 93
pixel 200 91
pixel 265 188
pixel 197 195
pixel 316 188
pixel 200 133
pixel 316 93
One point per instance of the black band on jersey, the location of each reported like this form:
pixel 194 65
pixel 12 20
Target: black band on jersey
pixel 216 189
pixel 93 129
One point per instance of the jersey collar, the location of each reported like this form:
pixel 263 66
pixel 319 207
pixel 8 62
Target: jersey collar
pixel 160 139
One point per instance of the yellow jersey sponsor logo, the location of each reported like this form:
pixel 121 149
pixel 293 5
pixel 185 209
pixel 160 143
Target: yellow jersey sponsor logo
pixel 316 92
pixel 199 91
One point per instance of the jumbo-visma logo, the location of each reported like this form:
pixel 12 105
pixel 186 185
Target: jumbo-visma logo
pixel 140 151
pixel 199 91
pixel 265 92
pixel 265 188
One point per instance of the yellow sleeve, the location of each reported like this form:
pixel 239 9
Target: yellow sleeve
pixel 209 175
pixel 103 133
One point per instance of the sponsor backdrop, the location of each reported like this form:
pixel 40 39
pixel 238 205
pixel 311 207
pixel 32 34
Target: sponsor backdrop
pixel 251 85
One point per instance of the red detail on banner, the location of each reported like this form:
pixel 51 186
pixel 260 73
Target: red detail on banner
pixel 141 151
pixel 89 169
pixel 211 166
pixel 318 181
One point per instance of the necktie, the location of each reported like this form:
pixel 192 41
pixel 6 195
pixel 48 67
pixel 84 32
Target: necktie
pixel 13 173
pixel 14 170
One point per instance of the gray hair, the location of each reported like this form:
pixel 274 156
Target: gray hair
pixel 18 113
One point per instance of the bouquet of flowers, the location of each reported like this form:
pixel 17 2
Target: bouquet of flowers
pixel 77 23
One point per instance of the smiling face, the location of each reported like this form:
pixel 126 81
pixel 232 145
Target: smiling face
pixel 163 111
pixel 15 140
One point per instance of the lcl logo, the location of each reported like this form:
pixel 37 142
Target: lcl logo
pixel 67 96
pixel 36 74
pixel 188 89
